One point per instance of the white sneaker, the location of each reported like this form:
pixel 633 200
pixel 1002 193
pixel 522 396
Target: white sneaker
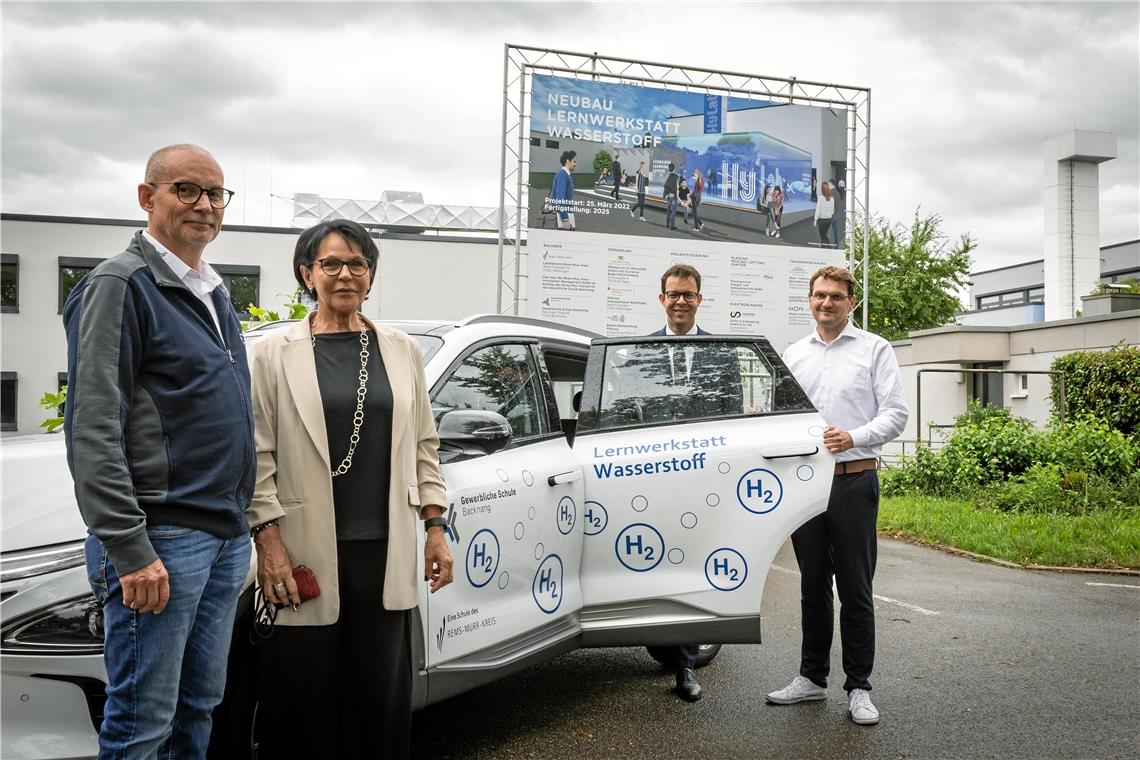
pixel 799 690
pixel 860 708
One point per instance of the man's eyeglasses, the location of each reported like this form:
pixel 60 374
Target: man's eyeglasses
pixel 833 297
pixel 332 267
pixel 189 193
pixel 677 295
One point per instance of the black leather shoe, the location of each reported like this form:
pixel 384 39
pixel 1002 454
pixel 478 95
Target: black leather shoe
pixel 687 687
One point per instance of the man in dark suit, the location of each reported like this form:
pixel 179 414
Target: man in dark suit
pixel 616 169
pixel 710 378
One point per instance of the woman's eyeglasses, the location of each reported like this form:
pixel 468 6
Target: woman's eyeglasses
pixel 332 267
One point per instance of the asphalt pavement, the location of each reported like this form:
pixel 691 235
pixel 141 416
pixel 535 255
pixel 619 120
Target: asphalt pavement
pixel 974 661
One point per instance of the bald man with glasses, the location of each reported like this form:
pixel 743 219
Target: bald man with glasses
pixel 159 432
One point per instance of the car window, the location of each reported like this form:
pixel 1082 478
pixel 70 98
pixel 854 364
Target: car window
pixel 566 371
pixel 501 378
pixel 670 381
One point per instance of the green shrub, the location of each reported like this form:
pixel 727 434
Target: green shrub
pixel 1071 468
pixel 1103 384
pixel 995 449
pixel 1091 445
pixel 1131 286
pixel 1049 489
pixel 977 412
pixel 921 473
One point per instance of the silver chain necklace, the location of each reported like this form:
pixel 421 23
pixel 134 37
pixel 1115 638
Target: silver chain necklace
pixel 361 392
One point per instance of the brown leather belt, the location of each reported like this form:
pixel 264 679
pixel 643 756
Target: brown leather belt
pixel 855 465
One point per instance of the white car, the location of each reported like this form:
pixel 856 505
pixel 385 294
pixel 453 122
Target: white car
pixel 648 517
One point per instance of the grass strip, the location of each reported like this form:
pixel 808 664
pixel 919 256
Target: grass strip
pixel 1106 539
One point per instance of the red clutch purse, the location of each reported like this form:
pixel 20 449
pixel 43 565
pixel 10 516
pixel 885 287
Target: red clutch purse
pixel 307 586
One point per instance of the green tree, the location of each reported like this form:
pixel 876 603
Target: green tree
pixel 603 160
pixel 913 275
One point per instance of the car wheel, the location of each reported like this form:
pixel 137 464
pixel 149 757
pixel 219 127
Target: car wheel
pixel 706 653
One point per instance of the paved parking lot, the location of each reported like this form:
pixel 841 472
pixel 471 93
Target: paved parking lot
pixel 973 661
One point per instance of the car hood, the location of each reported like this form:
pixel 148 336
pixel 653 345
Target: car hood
pixel 38 497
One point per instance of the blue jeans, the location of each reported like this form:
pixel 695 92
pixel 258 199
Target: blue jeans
pixel 167 672
pixel 671 211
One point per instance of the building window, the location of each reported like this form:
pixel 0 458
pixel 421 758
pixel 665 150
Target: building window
pixel 60 384
pixel 244 285
pixel 71 271
pixel 536 142
pixel 9 283
pixel 1023 383
pixel 552 144
pixel 988 302
pixel 8 390
pixel 987 386
pixel 1036 295
pixel 1013 299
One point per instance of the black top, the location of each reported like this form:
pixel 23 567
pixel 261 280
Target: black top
pixel 360 496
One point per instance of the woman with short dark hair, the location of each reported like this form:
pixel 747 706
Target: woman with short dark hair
pixel 346 465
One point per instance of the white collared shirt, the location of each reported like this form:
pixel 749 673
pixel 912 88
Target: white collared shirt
pixel 855 384
pixel 201 281
pixel 689 350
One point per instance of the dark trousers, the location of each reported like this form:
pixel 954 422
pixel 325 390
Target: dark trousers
pixel 342 690
pixel 840 543
pixel 617 189
pixel 696 216
pixel 823 226
pixel 640 204
pixel 676 657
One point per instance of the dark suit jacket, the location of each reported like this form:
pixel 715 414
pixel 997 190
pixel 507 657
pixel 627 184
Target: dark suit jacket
pixel 617 173
pixel 713 387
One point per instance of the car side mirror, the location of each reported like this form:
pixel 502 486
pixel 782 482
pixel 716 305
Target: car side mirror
pixel 576 401
pixel 469 433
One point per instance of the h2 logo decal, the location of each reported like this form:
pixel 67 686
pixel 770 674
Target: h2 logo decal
pixel 546 588
pixel 596 518
pixel 726 569
pixel 482 558
pixel 640 547
pixel 759 491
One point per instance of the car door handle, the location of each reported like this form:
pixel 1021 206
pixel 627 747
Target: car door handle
pixel 564 478
pixel 786 452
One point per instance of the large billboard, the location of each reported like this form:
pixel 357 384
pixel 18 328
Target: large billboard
pixel 626 179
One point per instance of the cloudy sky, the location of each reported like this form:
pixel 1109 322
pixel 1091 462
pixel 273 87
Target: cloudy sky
pixel 346 100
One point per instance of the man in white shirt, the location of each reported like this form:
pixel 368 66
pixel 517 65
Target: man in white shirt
pixel 852 378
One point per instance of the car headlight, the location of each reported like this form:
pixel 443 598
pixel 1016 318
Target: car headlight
pixel 29 563
pixel 69 628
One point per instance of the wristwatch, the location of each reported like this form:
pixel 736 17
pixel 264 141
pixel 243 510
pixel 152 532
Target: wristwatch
pixel 431 522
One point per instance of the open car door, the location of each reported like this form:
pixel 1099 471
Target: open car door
pixel 700 456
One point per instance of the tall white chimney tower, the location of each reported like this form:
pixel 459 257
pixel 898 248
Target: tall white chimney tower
pixel 1072 218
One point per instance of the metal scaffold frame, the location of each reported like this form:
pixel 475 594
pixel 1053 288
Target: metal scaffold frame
pixel 521 62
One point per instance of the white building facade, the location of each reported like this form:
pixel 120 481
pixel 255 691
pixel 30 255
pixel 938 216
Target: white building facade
pixel 419 277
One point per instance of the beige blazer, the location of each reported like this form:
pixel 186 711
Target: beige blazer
pixel 294 484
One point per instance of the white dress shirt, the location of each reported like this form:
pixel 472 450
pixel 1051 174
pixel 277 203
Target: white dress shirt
pixel 689 351
pixel 201 281
pixel 855 384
